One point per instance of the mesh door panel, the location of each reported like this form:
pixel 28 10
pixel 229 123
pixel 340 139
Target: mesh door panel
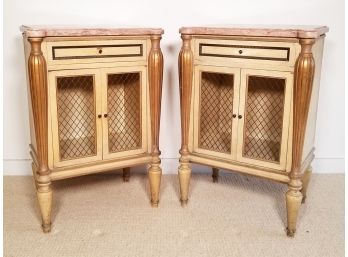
pixel 76 117
pixel 264 118
pixel 216 106
pixel 124 112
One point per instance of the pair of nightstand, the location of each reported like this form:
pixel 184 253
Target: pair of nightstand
pixel 248 99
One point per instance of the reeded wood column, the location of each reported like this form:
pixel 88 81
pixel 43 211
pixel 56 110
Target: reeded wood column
pixel 155 84
pixel 304 73
pixel 185 83
pixel 38 92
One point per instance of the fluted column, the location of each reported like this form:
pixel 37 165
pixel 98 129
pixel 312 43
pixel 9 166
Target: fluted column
pixel 155 85
pixel 185 84
pixel 304 74
pixel 39 94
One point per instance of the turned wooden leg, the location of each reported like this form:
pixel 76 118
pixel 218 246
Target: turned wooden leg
pixel 184 180
pixel 215 175
pixel 293 203
pixel 155 66
pixel 126 174
pixel 155 174
pixel 44 196
pixel 305 181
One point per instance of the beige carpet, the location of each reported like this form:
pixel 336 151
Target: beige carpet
pixel 100 215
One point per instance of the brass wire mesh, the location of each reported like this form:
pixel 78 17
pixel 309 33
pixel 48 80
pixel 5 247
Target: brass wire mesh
pixel 124 116
pixel 216 107
pixel 76 117
pixel 264 118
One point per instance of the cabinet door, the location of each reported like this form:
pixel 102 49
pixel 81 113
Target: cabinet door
pixel 124 105
pixel 75 101
pixel 263 128
pixel 215 94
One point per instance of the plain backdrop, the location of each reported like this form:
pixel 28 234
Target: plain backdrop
pixel 171 16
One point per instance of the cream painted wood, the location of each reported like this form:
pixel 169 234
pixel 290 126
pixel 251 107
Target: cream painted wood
pixel 286 117
pixel 143 104
pixel 69 52
pixel 101 166
pixel 52 84
pixel 91 48
pixel 95 65
pixel 243 53
pixel 240 167
pixel 196 109
pixel 263 52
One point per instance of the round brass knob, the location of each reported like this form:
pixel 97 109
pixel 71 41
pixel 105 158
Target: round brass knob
pixel 99 116
pixel 234 115
pixel 240 51
pixel 239 116
pixel 105 115
pixel 100 51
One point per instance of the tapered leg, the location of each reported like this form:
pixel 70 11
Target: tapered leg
pixel 126 174
pixel 155 174
pixel 44 195
pixel 155 66
pixel 215 175
pixel 185 87
pixel 293 203
pixel 305 181
pixel 184 180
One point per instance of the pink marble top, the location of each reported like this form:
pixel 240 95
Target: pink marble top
pixel 258 30
pixel 70 31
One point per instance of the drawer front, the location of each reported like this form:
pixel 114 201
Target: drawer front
pixel 272 53
pixel 65 52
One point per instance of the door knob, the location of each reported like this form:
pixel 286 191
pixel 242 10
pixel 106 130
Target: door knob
pixel 105 115
pixel 239 116
pixel 234 115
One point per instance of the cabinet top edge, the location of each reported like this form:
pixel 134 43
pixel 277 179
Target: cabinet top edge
pixel 289 31
pixel 72 31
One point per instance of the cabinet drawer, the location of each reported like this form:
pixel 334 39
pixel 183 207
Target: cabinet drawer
pixel 64 52
pixel 274 53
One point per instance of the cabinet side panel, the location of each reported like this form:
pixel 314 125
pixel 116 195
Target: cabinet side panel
pixel 312 114
pixel 26 45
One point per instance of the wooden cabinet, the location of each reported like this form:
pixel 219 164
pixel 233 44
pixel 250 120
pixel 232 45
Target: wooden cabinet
pixel 248 104
pixel 95 99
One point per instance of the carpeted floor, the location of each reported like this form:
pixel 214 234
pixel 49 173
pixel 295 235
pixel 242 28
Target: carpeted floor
pixel 240 216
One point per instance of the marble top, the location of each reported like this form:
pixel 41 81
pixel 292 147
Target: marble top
pixel 73 31
pixel 258 30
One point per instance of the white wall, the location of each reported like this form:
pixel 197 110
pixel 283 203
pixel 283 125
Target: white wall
pixel 170 16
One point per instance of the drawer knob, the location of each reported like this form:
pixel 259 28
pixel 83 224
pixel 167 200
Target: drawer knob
pixel 100 51
pixel 239 116
pixel 240 51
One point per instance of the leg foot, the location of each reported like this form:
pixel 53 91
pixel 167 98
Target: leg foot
pixel 126 174
pixel 293 203
pixel 184 180
pixel 215 175
pixel 155 173
pixel 305 181
pixel 183 203
pixel 44 195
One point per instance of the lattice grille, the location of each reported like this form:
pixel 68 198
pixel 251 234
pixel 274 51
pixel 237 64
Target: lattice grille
pixel 124 117
pixel 264 118
pixel 76 117
pixel 216 107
